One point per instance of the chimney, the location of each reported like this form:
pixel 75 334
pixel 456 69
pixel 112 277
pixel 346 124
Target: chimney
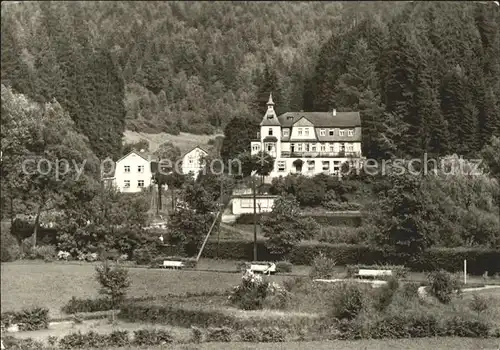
pixel 334 112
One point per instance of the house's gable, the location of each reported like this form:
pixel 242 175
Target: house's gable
pixel 197 151
pixel 303 122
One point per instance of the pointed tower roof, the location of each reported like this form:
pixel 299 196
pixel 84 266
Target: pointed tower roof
pixel 270 101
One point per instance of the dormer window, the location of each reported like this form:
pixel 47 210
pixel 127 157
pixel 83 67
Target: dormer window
pixel 322 132
pixel 350 132
pixel 306 131
pixel 341 132
pixel 285 132
pixel 331 132
pixel 299 132
pixel 270 131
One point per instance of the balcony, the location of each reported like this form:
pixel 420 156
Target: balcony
pixel 285 154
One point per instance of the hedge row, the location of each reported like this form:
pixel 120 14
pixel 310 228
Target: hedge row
pixel 27 319
pixel 450 259
pixel 331 220
pixel 411 326
pixel 175 315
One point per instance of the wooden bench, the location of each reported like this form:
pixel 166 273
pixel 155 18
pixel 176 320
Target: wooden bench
pixel 267 269
pixel 173 264
pixel 373 273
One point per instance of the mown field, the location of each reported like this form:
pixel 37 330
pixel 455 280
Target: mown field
pixel 184 141
pixel 445 343
pixel 34 283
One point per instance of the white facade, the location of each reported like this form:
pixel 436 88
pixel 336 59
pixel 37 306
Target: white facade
pixel 132 172
pixel 243 204
pixel 192 161
pixel 323 141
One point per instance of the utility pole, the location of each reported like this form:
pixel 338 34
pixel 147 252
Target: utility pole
pixel 254 220
pixel 220 208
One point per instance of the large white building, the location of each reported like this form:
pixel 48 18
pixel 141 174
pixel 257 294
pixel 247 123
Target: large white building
pixel 132 172
pixel 308 142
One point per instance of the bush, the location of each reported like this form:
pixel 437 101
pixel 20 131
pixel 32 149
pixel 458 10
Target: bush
pixel 273 335
pixel 385 294
pixel 27 319
pixel 83 340
pixel 459 327
pixel 478 304
pixel 118 338
pixel 251 293
pixel 145 256
pixel 343 206
pixel 223 334
pixel 10 250
pixel 114 282
pixel 44 252
pixel 251 335
pixel 340 234
pixel 409 290
pixel 322 267
pixel 284 267
pixel 347 301
pixel 197 334
pixel 12 343
pixel 443 286
pixel 87 305
pixel 152 337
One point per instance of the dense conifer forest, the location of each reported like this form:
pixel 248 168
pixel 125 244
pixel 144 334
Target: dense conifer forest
pixel 424 75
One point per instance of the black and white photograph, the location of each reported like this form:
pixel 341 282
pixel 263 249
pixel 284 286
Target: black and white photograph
pixel 236 175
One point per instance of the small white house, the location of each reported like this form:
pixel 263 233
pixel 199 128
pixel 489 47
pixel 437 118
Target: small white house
pixel 243 203
pixel 132 172
pixel 192 161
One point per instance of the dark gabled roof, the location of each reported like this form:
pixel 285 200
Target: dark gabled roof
pixel 145 155
pixel 270 139
pixel 192 149
pixel 322 119
pixel 270 122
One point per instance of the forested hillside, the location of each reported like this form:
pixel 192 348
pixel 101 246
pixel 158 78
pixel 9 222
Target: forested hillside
pixel 425 75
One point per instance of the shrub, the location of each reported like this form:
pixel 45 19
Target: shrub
pixel 152 337
pixel 340 234
pixel 10 250
pixel 114 282
pixel 118 338
pixel 27 319
pixel 222 334
pixel 457 326
pixel 83 340
pixel 409 290
pixel 12 343
pixel 385 294
pixel 145 256
pixel 44 252
pixel 251 335
pixel 197 334
pixel 443 285
pixel 250 294
pixel 478 304
pixel 347 301
pixel 75 305
pixel 322 267
pixel 273 335
pixel 284 266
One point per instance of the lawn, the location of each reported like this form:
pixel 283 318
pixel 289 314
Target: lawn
pixel 34 283
pixel 184 141
pixel 400 344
